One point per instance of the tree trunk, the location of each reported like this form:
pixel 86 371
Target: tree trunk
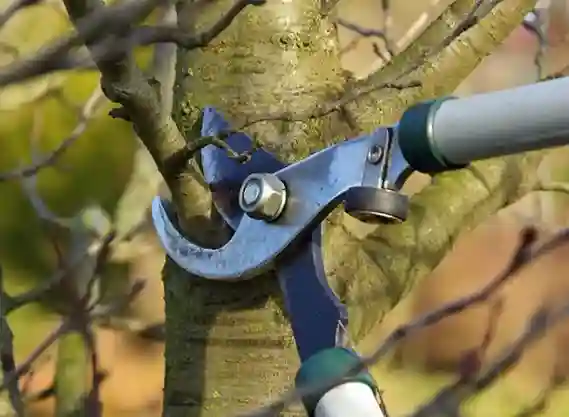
pixel 229 347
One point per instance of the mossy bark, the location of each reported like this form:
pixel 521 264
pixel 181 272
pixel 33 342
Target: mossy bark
pixel 229 347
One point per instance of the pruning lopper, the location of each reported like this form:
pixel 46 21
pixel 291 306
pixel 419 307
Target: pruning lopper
pixel 276 210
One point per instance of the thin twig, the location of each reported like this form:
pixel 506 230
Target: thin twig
pixel 326 108
pixel 7 360
pixel 522 257
pixel 535 23
pixel 453 395
pixel 112 44
pixel 87 112
pixel 25 366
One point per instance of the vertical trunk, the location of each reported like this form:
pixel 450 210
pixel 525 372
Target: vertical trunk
pixel 229 346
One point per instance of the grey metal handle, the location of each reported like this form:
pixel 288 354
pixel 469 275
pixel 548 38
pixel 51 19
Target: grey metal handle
pixel 449 133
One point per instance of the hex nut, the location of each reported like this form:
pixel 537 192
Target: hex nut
pixel 267 200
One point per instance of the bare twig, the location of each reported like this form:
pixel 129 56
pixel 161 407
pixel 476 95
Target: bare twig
pixel 522 257
pixel 147 35
pixel 87 112
pixel 123 83
pixel 145 179
pixel 555 187
pixel 369 33
pixel 118 303
pixel 75 322
pixel 536 23
pixel 25 366
pixel 7 360
pixel 114 18
pixel 364 32
pixel 326 108
pixel 471 361
pixel 360 90
pixel 453 395
pixel 111 44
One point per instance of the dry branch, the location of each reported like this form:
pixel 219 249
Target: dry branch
pixel 448 400
pixel 7 359
pixel 87 112
pixel 56 55
pixel 523 256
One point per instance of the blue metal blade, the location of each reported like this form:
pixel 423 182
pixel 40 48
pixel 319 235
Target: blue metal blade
pixel 225 175
pixel 314 310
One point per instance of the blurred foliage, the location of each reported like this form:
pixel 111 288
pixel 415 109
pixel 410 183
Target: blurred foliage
pixel 93 171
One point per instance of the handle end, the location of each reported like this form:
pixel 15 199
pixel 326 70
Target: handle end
pixel 358 390
pixel 415 136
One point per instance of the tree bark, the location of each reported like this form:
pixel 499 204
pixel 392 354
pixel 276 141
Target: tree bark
pixel 229 347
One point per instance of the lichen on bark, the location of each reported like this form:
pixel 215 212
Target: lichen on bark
pixel 281 57
pixel 229 346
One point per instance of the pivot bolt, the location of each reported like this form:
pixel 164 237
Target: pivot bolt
pixel 263 196
pixel 375 154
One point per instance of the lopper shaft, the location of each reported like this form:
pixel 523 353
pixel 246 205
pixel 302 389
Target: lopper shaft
pixel 450 133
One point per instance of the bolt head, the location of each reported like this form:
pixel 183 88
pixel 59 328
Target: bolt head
pixel 375 154
pixel 263 196
pixel 251 192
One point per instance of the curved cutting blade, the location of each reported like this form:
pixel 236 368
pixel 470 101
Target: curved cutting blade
pixel 315 312
pixel 225 175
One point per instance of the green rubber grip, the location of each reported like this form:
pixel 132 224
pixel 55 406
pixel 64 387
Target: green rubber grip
pixel 415 134
pixel 326 366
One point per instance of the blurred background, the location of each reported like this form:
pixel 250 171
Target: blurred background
pixel 106 169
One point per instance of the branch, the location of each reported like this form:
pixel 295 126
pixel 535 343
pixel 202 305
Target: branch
pixel 403 253
pixel 147 35
pixel 77 279
pixel 451 397
pixel 327 107
pixel 368 33
pixel 555 187
pixel 164 63
pixel 447 51
pixel 7 360
pixel 62 55
pixel 87 112
pixel 55 56
pixel 123 83
pixel 12 303
pixel 526 253
pixel 145 180
pixel 26 365
pixel 382 97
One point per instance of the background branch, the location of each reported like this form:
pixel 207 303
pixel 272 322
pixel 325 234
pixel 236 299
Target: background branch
pixel 525 254
pixel 87 112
